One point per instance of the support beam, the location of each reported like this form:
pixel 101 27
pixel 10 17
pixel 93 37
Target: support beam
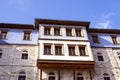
pixel 90 71
pixel 59 74
pixel 40 74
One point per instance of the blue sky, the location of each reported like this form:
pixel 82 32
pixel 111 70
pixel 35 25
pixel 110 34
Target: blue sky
pixel 101 13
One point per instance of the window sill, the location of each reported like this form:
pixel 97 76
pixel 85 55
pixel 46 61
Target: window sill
pixel 48 54
pixel 59 54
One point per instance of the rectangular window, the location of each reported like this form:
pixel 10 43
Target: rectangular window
pixel 27 36
pixel 22 77
pixel 57 31
pixel 71 50
pixel 47 31
pixel 100 58
pixel 68 32
pixel 47 49
pixel 0 54
pixel 95 39
pixel 58 50
pixel 114 39
pixel 82 51
pixel 24 56
pixel 78 32
pixel 3 34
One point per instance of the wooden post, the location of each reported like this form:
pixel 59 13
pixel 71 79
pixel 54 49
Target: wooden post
pixel 90 71
pixel 41 74
pixel 73 74
pixel 59 74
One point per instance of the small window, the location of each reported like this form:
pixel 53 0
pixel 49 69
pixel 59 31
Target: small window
pixel 106 76
pixel 100 57
pixel 114 39
pixel 95 38
pixel 82 51
pixel 51 76
pixel 78 32
pixel 47 30
pixel 57 31
pixel 22 76
pixel 71 50
pixel 47 49
pixel 27 36
pixel 58 50
pixel 118 55
pixel 80 76
pixel 0 53
pixel 24 55
pixel 69 32
pixel 3 34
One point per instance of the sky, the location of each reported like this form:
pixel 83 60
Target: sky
pixel 100 13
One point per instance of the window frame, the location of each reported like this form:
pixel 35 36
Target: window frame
pixel 106 76
pixel 22 74
pixel 80 32
pixel 82 48
pixel 47 30
pixel 95 38
pixel 24 53
pixel 58 31
pixel 79 76
pixel 1 53
pixel 69 32
pixel 27 35
pixel 114 39
pixel 49 51
pixel 51 75
pixel 59 46
pixel 71 50
pixel 100 57
pixel 5 35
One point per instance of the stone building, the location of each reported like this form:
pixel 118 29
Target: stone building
pixel 58 50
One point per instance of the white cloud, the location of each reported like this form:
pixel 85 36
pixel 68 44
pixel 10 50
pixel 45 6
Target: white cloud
pixel 105 24
pixel 105 20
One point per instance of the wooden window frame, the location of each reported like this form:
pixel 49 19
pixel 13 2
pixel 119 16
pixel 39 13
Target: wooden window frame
pixel 95 38
pixel 57 31
pixel 69 32
pixel 80 32
pixel 115 39
pixel 5 34
pixel 47 30
pixel 47 52
pixel 27 35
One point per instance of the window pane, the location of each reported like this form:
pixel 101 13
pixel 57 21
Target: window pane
pixel 51 78
pixel 69 32
pixel 47 31
pixel 58 50
pixel 24 56
pixel 78 32
pixel 71 50
pixel 80 78
pixel 82 51
pixel 57 32
pixel 106 78
pixel 3 35
pixel 95 39
pixel 100 58
pixel 47 50
pixel 26 36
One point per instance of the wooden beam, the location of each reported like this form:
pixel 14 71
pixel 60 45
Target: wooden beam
pixel 90 71
pixel 40 74
pixel 59 74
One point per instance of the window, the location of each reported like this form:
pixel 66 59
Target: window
pixel 57 31
pixel 114 39
pixel 69 32
pixel 82 51
pixel 95 39
pixel 106 76
pixel 71 50
pixel 79 76
pixel 118 55
pixel 47 31
pixel 27 36
pixel 24 55
pixel 58 50
pixel 47 49
pixel 22 76
pixel 78 32
pixel 3 34
pixel 51 76
pixel 100 57
pixel 0 53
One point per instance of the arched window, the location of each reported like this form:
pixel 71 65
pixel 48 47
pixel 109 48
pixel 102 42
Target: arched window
pixel 22 76
pixel 0 53
pixel 106 76
pixel 79 76
pixel 24 54
pixel 51 76
pixel 100 57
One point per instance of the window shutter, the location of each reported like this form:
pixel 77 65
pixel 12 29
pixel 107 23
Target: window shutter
pixel 60 31
pixel 51 31
pixel 73 32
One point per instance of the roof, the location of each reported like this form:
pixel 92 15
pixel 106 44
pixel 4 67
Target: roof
pixel 110 31
pixel 61 22
pixel 16 26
